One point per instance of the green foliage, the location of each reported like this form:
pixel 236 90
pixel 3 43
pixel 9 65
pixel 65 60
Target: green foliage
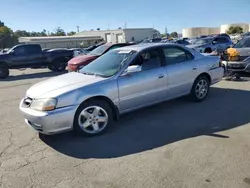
pixel 71 33
pixel 235 30
pixel 174 34
pixel 58 32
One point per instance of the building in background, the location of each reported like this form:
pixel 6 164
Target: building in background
pixel 122 35
pixel 61 41
pixel 198 31
pixel 87 38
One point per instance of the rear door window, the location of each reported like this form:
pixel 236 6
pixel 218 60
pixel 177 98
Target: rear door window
pixel 174 55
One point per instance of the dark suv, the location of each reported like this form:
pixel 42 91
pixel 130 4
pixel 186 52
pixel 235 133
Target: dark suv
pixel 32 56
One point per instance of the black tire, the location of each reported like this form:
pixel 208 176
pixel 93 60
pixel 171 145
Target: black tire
pixel 87 131
pixel 208 50
pixel 194 95
pixel 58 65
pixel 4 71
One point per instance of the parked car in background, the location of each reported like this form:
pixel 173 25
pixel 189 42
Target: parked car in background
pixel 192 40
pixel 224 35
pixel 209 44
pixel 120 81
pixel 238 57
pixel 90 48
pixel 32 56
pixel 181 41
pixel 45 49
pixel 4 50
pixel 78 62
pixel 78 51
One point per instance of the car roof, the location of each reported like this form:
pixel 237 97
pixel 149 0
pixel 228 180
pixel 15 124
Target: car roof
pixel 143 46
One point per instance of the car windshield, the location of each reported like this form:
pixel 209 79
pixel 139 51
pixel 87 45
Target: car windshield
pixel 202 41
pixel 244 43
pixel 108 64
pixel 99 50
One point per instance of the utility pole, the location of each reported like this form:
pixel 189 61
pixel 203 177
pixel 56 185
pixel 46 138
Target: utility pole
pixel 77 27
pixel 166 31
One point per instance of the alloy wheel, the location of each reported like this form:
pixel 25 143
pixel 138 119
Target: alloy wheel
pixel 201 89
pixel 93 119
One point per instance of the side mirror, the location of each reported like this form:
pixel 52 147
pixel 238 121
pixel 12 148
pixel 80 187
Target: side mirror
pixel 132 69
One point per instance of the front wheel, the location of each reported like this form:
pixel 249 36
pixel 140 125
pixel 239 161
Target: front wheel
pixel 4 71
pixel 200 89
pixel 93 118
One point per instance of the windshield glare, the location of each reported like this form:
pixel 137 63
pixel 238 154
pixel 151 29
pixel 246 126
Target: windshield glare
pixel 244 43
pixel 99 50
pixel 202 41
pixel 108 64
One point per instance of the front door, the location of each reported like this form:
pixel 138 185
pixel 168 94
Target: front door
pixel 19 57
pixel 181 69
pixel 145 87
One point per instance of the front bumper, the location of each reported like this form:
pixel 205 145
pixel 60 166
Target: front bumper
pixel 237 66
pixel 51 122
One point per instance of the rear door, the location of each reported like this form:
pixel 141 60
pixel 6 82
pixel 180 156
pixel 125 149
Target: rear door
pixel 181 70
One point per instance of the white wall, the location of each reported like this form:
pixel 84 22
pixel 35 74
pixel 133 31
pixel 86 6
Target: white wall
pixel 103 33
pixel 195 31
pixel 138 34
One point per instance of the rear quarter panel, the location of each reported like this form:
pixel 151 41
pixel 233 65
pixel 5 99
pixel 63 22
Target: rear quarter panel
pixel 211 65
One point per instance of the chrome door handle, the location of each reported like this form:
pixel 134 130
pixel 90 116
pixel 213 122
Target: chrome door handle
pixel 194 68
pixel 161 76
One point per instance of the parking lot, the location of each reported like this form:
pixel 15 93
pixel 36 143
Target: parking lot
pixel 177 144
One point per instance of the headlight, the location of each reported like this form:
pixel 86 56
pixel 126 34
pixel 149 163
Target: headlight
pixel 44 104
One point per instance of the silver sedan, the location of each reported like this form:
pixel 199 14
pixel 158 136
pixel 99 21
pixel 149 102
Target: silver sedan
pixel 122 80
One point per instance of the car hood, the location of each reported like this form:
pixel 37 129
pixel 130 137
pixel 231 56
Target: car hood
pixel 61 84
pixel 82 58
pixel 243 51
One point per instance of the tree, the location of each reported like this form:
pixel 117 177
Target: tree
pixel 59 32
pixel 1 24
pixel 235 30
pixel 71 33
pixel 174 34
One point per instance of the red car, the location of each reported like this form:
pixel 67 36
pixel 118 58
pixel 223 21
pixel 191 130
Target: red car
pixel 78 62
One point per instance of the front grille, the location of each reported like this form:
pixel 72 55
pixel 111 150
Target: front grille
pixel 27 102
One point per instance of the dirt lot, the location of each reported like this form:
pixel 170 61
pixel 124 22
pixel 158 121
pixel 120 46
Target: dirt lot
pixel 177 144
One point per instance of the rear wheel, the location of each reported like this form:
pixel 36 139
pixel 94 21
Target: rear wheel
pixel 58 65
pixel 93 118
pixel 4 71
pixel 200 89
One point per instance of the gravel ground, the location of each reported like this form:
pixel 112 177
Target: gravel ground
pixel 177 144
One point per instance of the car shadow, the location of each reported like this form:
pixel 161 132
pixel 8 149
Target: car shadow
pixel 160 125
pixel 31 76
